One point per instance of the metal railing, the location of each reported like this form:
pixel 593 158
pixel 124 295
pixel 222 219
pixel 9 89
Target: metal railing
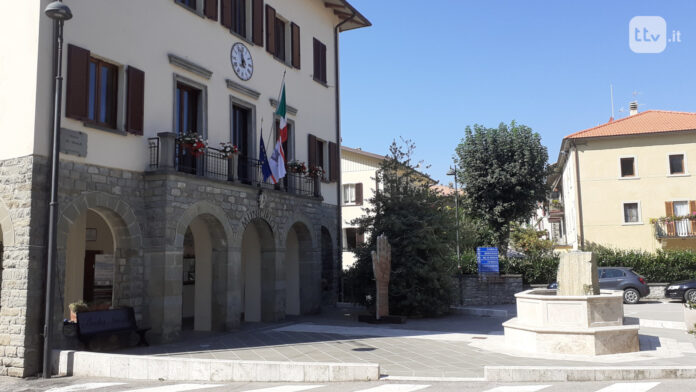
pixel 213 163
pixel 681 228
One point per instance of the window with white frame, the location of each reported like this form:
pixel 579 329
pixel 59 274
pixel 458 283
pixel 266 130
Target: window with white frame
pixel 631 212
pixel 627 167
pixel 676 164
pixel 349 194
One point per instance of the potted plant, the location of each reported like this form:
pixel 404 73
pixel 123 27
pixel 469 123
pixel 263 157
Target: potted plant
pixel 690 316
pixel 230 152
pixel 316 172
pixel 297 167
pixel 77 307
pixel 193 143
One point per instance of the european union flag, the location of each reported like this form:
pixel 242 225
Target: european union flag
pixel 265 167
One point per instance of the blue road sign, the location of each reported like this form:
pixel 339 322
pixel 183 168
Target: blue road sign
pixel 487 260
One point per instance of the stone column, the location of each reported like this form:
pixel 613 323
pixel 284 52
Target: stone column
pixel 381 265
pixel 577 274
pixel 167 149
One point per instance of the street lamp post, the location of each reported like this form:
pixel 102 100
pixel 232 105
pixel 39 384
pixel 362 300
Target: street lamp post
pixel 453 172
pixel 59 12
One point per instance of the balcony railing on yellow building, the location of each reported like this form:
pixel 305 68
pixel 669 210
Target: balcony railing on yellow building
pixel 678 228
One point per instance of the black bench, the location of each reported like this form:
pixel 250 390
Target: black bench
pixel 108 322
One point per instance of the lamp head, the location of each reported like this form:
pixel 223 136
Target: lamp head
pixel 451 172
pixel 58 11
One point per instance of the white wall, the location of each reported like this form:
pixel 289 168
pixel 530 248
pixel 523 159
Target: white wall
pixel 356 168
pixel 141 34
pixel 19 45
pixel 570 201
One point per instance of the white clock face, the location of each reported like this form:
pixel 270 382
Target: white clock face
pixel 242 63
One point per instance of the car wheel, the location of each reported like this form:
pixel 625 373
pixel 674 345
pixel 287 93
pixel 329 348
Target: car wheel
pixel 690 296
pixel 631 296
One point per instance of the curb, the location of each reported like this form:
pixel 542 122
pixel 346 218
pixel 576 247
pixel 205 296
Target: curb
pixel 560 373
pixel 479 311
pixel 135 367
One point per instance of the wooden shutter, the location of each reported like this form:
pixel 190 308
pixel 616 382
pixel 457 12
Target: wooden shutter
pixel 226 13
pixel 311 151
pixel 333 162
pixel 77 91
pixel 211 9
pixel 359 237
pixel 322 58
pixel 359 193
pixel 295 33
pixel 692 209
pixel 270 29
pixel 257 16
pixel 317 63
pixel 671 227
pixel 135 100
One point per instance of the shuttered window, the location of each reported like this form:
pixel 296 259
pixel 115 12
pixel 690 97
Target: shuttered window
pixel 135 101
pixel 211 9
pixel 270 30
pixel 279 39
pixel 359 193
pixel 319 61
pixel 226 13
pixel 317 156
pixel 77 83
pixel 295 31
pixel 333 162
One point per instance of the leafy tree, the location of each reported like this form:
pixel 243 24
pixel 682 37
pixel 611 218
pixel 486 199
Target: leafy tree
pixel 530 241
pixel 503 172
pixel 421 232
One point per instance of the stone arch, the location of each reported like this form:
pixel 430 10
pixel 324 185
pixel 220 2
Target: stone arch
pixel 212 234
pixel 128 284
pixel 263 215
pixel 298 217
pixel 301 267
pixel 6 226
pixel 258 270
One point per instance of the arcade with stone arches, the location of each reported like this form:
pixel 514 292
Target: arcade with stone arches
pixel 99 255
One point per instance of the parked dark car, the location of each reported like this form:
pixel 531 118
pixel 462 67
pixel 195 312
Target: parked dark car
pixel 684 290
pixel 633 285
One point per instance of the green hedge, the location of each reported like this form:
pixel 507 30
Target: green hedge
pixel 664 266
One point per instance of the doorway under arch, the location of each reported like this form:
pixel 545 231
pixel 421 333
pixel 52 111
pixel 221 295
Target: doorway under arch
pixel 90 267
pixel 258 272
pixel 298 267
pixel 204 272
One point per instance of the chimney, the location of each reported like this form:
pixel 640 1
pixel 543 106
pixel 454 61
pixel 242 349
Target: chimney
pixel 633 108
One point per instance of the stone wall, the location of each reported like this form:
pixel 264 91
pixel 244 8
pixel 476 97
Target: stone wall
pixel 22 199
pixel 493 290
pixel 148 214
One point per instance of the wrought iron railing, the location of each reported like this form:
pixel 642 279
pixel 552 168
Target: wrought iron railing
pixel 213 163
pixel 680 228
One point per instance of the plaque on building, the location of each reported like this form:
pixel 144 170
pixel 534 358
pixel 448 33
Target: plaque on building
pixel 73 142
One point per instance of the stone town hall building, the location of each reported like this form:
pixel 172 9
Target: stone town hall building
pixel 190 242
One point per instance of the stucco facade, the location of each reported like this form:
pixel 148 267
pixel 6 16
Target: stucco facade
pixel 601 207
pixel 357 167
pixel 206 247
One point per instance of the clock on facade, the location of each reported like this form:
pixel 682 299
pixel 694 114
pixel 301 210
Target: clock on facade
pixel 242 63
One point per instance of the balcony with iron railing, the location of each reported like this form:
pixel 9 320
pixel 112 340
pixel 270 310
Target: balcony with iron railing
pixel 675 228
pixel 166 154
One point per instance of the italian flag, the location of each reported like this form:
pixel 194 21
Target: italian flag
pixel 278 156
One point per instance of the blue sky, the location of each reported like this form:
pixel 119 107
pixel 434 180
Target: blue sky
pixel 426 69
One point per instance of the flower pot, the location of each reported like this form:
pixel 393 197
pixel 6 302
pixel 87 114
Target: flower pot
pixel 690 319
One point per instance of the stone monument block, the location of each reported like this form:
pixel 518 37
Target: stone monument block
pixel 381 264
pixel 577 274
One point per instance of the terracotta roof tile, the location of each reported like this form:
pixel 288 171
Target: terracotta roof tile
pixel 650 121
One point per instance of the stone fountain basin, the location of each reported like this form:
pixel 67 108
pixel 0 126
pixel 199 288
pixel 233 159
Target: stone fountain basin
pixel 584 324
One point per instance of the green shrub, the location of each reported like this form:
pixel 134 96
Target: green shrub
pixel 663 266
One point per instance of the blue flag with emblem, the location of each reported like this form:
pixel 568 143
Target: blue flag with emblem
pixel 265 167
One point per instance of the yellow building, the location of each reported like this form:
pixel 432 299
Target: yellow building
pixel 628 184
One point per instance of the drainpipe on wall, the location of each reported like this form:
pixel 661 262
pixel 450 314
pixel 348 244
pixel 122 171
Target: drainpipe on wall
pixel 339 231
pixel 577 182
